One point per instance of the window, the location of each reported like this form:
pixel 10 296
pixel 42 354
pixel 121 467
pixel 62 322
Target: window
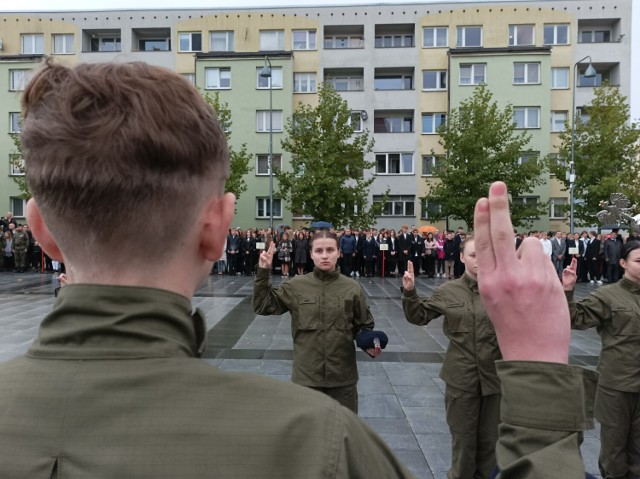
pixel 394 41
pixel 304 83
pixel 106 44
pixel 275 79
pixel 343 41
pixel 393 124
pixel 346 83
pixel 222 41
pixel 16 165
pixel 557 34
pixel 557 208
pixel 394 163
pixel 271 40
pixel 469 37
pixel 393 82
pixel 527 117
pixel 557 161
pixel 397 205
pixel 32 44
pixel 474 74
pixel 154 45
pixel 432 121
pixel 190 42
pixel 304 39
pixel 526 73
pixel 356 121
pixel 527 156
pixel 430 164
pixel 592 81
pixel 63 44
pixel 558 120
pixel 262 120
pixel 18 79
pixel 430 209
pixel 263 210
pixel 190 77
pixel 217 78
pixel 559 78
pixel 531 201
pixel 14 122
pixel 435 37
pixel 595 36
pixel 18 207
pixel 262 164
pixel 521 35
pixel 434 79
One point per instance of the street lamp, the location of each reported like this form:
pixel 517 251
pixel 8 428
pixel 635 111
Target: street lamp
pixel 590 72
pixel 265 72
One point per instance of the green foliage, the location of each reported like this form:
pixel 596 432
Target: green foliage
pixel 18 165
pixel 328 163
pixel 239 159
pixel 605 153
pixel 483 146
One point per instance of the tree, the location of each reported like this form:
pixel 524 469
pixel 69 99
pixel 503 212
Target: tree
pixel 483 146
pixel 605 154
pixel 17 164
pixel 238 159
pixel 328 162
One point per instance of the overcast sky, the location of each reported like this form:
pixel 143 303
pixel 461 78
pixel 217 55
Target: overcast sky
pixel 49 5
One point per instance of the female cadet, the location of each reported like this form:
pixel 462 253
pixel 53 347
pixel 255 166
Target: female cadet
pixel 472 396
pixel 328 310
pixel 614 310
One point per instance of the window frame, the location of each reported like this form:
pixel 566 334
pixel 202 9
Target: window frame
pixel 262 120
pixel 400 163
pixel 527 110
pixel 348 41
pixel 277 163
pixel 434 37
pixel 553 205
pixel 190 48
pixel 439 74
pixel 555 114
pixel 229 40
pixel 19 84
pixel 279 34
pixel 461 40
pixel 424 208
pixel 357 115
pixel 349 79
pixel 266 215
pixel 15 119
pixel 311 80
pixel 513 34
pixel 393 201
pixel 65 43
pixel 12 202
pixel 36 46
pixel 472 74
pixel 554 78
pixel 526 73
pixel 434 161
pixel 555 27
pixel 393 36
pixel 277 76
pixel 13 169
pixel 220 70
pixel 438 118
pixel 394 124
pixel 310 44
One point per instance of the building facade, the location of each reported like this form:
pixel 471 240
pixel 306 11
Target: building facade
pixel 402 68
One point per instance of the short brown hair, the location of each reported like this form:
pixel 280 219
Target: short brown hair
pixel 115 147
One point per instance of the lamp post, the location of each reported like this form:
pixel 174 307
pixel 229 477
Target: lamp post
pixel 590 72
pixel 265 72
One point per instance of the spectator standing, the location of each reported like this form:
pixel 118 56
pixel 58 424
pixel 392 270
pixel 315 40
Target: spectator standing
pixel 300 252
pixel 348 251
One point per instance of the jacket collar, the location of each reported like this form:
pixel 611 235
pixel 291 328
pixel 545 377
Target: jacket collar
pixel 629 285
pixel 470 282
pixel 326 275
pixel 119 322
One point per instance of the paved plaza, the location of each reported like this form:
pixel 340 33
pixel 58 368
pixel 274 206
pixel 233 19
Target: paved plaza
pixel 401 396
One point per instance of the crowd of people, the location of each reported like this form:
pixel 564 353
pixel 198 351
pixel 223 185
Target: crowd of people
pixel 20 251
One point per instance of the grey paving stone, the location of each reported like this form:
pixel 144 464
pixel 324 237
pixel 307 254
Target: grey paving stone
pixel 379 405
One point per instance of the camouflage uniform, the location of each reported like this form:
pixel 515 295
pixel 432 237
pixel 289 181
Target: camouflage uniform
pixel 20 246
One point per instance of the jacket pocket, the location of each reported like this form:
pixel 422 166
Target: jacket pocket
pixel 457 317
pixel 625 321
pixel 308 313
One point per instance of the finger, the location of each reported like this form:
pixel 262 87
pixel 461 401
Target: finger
pixel 574 265
pixel 484 248
pixel 500 227
pixel 410 267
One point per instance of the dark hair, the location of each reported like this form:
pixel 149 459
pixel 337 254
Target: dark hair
pixel 113 146
pixel 628 247
pixel 320 234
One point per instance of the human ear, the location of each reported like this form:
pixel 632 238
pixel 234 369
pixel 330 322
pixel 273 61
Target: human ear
pixel 218 216
pixel 41 232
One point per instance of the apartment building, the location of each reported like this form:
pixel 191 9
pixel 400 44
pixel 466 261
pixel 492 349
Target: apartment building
pixel 400 67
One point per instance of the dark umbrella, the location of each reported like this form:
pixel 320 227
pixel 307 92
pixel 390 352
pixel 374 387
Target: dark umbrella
pixel 321 224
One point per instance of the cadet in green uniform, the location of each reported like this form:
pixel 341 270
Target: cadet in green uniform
pixel 614 310
pixel 472 396
pixel 327 310
pixel 20 246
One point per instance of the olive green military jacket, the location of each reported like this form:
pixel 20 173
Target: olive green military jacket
pixel 469 363
pixel 112 388
pixel 20 241
pixel 614 310
pixel 327 310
